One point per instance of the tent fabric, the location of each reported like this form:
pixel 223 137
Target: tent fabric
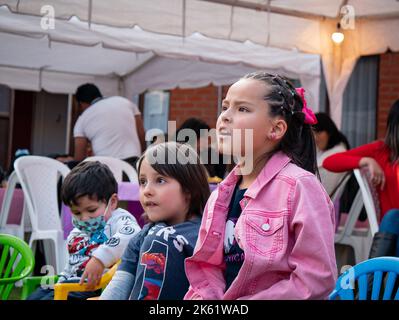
pixel 212 19
pixel 131 60
pixel 190 75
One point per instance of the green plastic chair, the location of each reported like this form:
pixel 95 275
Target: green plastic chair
pixel 16 263
pixel 33 282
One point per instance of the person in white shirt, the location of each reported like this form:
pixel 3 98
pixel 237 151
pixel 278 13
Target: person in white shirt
pixel 112 125
pixel 329 140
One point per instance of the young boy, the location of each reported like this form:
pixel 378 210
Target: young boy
pixel 102 231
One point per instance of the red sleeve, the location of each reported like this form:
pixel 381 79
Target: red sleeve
pixel 349 160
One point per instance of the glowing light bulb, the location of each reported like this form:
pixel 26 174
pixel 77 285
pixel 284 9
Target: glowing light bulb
pixel 337 37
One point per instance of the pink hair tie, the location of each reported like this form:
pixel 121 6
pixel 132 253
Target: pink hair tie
pixel 310 118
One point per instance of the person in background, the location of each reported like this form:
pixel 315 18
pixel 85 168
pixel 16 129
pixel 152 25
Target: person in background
pixel 66 159
pixel 18 153
pixel 381 159
pixel 202 144
pixel 159 138
pixel 329 140
pixel 3 181
pixel 112 125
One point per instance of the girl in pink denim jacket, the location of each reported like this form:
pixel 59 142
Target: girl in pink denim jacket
pixel 268 230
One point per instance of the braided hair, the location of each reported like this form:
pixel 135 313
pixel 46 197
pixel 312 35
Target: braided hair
pixel 283 100
pixel 392 133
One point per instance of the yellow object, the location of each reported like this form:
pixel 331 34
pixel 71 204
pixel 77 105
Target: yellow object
pixel 61 290
pixel 214 179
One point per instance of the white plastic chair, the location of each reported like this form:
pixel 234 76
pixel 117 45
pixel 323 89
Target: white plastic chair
pixel 13 229
pixel 118 167
pixel 39 178
pixel 360 239
pixel 337 193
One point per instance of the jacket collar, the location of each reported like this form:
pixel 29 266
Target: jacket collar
pixel 275 164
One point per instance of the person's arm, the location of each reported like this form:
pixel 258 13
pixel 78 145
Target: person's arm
pixel 78 246
pixel 163 276
pixel 75 242
pixel 140 131
pixel 81 144
pixel 349 160
pixel 214 272
pixel 123 281
pixel 126 227
pixel 120 286
pixel 312 259
pixel 377 175
pixel 93 272
pixel 109 253
pixel 81 141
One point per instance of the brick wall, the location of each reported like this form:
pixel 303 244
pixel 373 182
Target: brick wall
pixel 388 88
pixel 199 103
pixel 202 102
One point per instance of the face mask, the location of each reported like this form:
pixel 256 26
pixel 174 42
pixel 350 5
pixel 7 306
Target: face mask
pixel 90 226
pixel 93 224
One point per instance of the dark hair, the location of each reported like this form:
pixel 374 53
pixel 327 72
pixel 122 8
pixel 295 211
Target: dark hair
pixel 58 155
pixel 87 93
pixel 162 136
pixel 212 167
pixel 298 142
pixel 164 159
pixel 392 135
pixel 89 178
pixel 325 123
pixel 18 153
pixel 194 124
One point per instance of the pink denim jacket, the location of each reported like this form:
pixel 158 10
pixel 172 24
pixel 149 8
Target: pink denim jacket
pixel 286 230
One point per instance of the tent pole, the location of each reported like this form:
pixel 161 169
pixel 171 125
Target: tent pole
pixel 297 13
pixel 69 123
pixel 121 87
pixel 219 100
pixel 90 13
pixel 10 128
pixel 266 7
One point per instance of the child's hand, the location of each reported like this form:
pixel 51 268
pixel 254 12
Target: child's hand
pixel 93 272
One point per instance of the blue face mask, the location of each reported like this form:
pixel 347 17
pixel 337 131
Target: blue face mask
pixel 92 225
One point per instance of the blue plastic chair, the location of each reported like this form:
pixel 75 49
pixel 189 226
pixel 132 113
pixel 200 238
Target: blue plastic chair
pixel 357 277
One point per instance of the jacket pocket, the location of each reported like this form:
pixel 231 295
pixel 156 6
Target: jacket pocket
pixel 265 232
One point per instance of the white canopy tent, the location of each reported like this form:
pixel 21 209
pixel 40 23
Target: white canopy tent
pixel 128 46
pixel 130 60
